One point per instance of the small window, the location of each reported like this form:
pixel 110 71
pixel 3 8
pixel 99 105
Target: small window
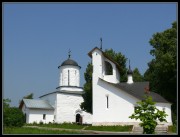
pixel 44 116
pixel 107 101
pixel 164 109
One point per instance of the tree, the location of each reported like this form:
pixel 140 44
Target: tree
pixel 87 96
pixel 12 116
pixel 148 114
pixel 137 77
pixel 30 96
pixel 162 71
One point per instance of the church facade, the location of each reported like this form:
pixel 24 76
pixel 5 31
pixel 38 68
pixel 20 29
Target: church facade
pixel 112 101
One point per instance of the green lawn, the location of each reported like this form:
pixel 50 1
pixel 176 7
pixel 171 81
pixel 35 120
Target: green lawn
pixel 63 125
pixel 111 128
pixel 24 130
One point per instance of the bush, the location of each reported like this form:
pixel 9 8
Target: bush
pixel 41 123
pixel 13 117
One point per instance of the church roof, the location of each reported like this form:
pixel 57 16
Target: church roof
pixel 137 89
pixel 69 62
pixel 64 91
pixel 34 103
pixel 105 55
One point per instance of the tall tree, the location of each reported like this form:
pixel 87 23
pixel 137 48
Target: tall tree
pixel 162 71
pixel 87 96
pixel 137 77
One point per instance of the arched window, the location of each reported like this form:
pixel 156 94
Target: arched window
pixel 108 68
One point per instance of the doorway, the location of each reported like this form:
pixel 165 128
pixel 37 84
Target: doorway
pixel 78 119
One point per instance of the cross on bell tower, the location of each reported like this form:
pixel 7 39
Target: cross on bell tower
pixel 69 52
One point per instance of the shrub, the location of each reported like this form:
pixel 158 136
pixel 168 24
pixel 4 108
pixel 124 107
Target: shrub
pixel 13 117
pixel 41 123
pixel 148 115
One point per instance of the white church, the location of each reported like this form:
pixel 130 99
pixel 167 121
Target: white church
pixel 112 101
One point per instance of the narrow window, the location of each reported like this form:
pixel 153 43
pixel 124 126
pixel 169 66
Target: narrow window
pixel 68 77
pixel 75 72
pixel 44 116
pixel 107 98
pixel 164 109
pixel 108 68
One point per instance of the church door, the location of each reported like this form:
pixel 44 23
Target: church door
pixel 78 119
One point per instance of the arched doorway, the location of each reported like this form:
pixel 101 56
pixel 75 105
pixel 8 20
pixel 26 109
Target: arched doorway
pixel 78 119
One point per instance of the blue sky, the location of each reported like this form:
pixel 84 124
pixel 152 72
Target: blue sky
pixel 37 37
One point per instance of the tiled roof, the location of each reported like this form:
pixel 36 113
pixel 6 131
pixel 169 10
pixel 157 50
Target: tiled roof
pixel 137 89
pixel 32 103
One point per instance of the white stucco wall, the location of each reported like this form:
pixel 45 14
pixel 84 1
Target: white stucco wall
pixel 167 107
pixel 74 76
pixel 129 79
pixel 70 88
pixel 67 105
pixel 114 78
pixel 121 105
pixel 36 115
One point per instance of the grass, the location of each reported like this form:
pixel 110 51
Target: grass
pixel 172 129
pixel 55 125
pixel 111 128
pixel 24 130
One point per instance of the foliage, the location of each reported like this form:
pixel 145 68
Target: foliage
pixel 110 128
pixel 12 116
pixel 30 96
pixel 148 114
pixel 26 130
pixel 137 77
pixel 172 129
pixel 87 96
pixel 6 105
pixel 162 71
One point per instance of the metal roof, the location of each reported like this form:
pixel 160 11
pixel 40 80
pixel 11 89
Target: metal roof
pixel 42 104
pixel 64 91
pixel 69 62
pixel 137 89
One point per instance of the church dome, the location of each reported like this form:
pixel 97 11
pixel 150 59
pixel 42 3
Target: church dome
pixel 129 71
pixel 69 62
